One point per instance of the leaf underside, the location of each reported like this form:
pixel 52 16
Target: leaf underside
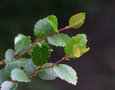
pixel 47 74
pixel 19 75
pixel 58 39
pixel 66 73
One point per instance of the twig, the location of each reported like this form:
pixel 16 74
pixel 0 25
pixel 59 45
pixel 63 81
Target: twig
pixel 39 40
pixel 51 66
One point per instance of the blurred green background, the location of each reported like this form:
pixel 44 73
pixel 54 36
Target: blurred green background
pixel 96 69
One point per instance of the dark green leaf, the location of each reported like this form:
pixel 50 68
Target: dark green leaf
pixel 53 21
pixel 47 74
pixel 22 45
pixel 19 75
pixel 40 54
pixel 73 21
pixel 79 40
pixel 43 41
pixel 8 85
pixel 58 39
pixel 66 73
pixel 9 55
pixel 42 28
pixel 9 67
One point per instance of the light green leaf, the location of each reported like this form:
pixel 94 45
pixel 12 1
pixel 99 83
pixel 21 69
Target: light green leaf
pixel 8 85
pixel 18 38
pixel 42 28
pixel 22 61
pixel 2 77
pixel 19 75
pixel 66 73
pixel 29 67
pixel 9 67
pixel 9 55
pixel 8 61
pixel 22 45
pixel 80 40
pixel 53 21
pixel 73 21
pixel 47 74
pixel 58 39
pixel 41 52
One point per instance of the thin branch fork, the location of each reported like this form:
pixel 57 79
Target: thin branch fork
pixel 51 66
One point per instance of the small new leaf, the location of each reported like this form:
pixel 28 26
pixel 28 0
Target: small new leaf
pixel 84 51
pixel 53 21
pixel 77 18
pixel 47 74
pixel 58 39
pixel 9 55
pixel 79 40
pixel 19 75
pixel 42 28
pixel 18 38
pixel 41 52
pixel 66 73
pixel 76 51
pixel 22 45
pixel 8 85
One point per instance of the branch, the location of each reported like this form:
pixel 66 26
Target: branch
pixel 2 62
pixel 51 66
pixel 39 40
pixel 42 67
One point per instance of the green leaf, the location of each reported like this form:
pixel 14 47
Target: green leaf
pixel 39 43
pixel 18 38
pixel 9 55
pixel 29 67
pixel 66 73
pixel 42 28
pixel 79 40
pixel 19 75
pixel 22 61
pixel 8 85
pixel 47 74
pixel 22 45
pixel 8 61
pixel 53 21
pixel 2 76
pixel 58 39
pixel 73 21
pixel 41 52
pixel 9 68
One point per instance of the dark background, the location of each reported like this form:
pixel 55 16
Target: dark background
pixel 96 69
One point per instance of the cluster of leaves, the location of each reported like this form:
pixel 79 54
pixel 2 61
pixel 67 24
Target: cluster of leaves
pixel 21 69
